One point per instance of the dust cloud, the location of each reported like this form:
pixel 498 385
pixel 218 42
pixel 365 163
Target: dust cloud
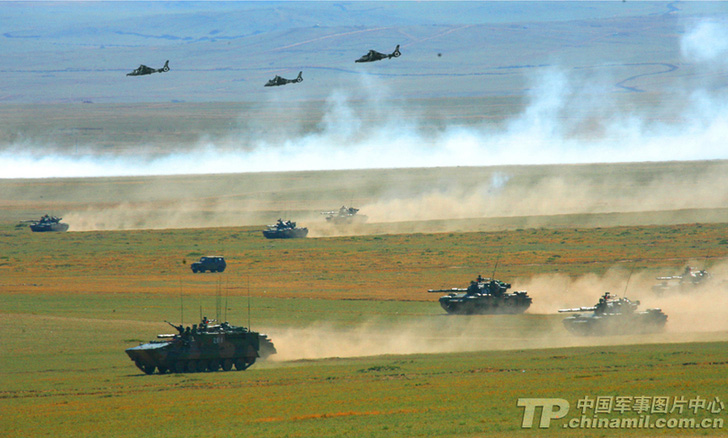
pixel 517 197
pixel 131 216
pixel 690 309
pixel 438 334
pixel 501 194
pixel 693 315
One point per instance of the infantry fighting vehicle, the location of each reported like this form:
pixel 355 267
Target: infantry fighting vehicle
pixel 207 347
pixel 691 279
pixel 48 223
pixel 373 55
pixel 209 263
pixel 285 230
pixel 614 315
pixel 344 215
pixel 484 296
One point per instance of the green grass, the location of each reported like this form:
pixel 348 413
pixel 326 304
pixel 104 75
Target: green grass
pixel 382 267
pixel 68 374
pixel 64 370
pixel 363 349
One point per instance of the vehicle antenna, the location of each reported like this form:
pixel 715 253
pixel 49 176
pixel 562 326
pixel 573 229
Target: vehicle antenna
pixel 181 305
pixel 628 277
pixel 218 299
pixel 227 290
pixel 248 302
pixel 492 277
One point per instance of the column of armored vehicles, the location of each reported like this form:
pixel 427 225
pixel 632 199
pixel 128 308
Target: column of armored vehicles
pixel 211 346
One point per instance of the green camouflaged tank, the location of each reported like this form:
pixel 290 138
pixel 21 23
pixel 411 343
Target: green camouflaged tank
pixel 613 315
pixel 484 296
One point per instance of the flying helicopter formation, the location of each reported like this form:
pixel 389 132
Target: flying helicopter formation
pixel 371 56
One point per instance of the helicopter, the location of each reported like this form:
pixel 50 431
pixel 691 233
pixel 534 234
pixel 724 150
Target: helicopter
pixel 144 70
pixel 373 55
pixel 276 81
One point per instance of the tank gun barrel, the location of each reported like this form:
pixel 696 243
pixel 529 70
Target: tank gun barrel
pixel 454 289
pixel 579 309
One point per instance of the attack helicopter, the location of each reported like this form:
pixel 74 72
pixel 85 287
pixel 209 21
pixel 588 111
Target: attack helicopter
pixel 144 70
pixel 373 55
pixel 276 81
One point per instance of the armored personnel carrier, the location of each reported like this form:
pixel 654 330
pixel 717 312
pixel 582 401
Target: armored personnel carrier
pixel 344 216
pixel 209 263
pixel 690 280
pixel 48 223
pixel 285 230
pixel 614 315
pixel 484 296
pixel 203 347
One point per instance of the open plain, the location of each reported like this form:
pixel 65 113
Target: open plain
pixel 363 349
pixel 568 148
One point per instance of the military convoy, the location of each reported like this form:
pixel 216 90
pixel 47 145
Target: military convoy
pixel 48 223
pixel 285 230
pixel 483 296
pixel 203 347
pixel 209 263
pixel 614 315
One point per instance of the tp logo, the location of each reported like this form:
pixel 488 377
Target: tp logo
pixel 551 409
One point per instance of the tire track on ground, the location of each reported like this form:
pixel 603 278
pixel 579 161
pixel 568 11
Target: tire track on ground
pixel 669 68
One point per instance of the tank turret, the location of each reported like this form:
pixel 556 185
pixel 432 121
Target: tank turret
pixel 204 347
pixel 483 296
pixel 614 315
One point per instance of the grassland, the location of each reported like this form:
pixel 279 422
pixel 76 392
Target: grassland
pixel 464 394
pixel 396 366
pixel 364 350
pixel 382 267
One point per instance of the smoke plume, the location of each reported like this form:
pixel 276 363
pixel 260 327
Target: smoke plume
pixel 572 116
